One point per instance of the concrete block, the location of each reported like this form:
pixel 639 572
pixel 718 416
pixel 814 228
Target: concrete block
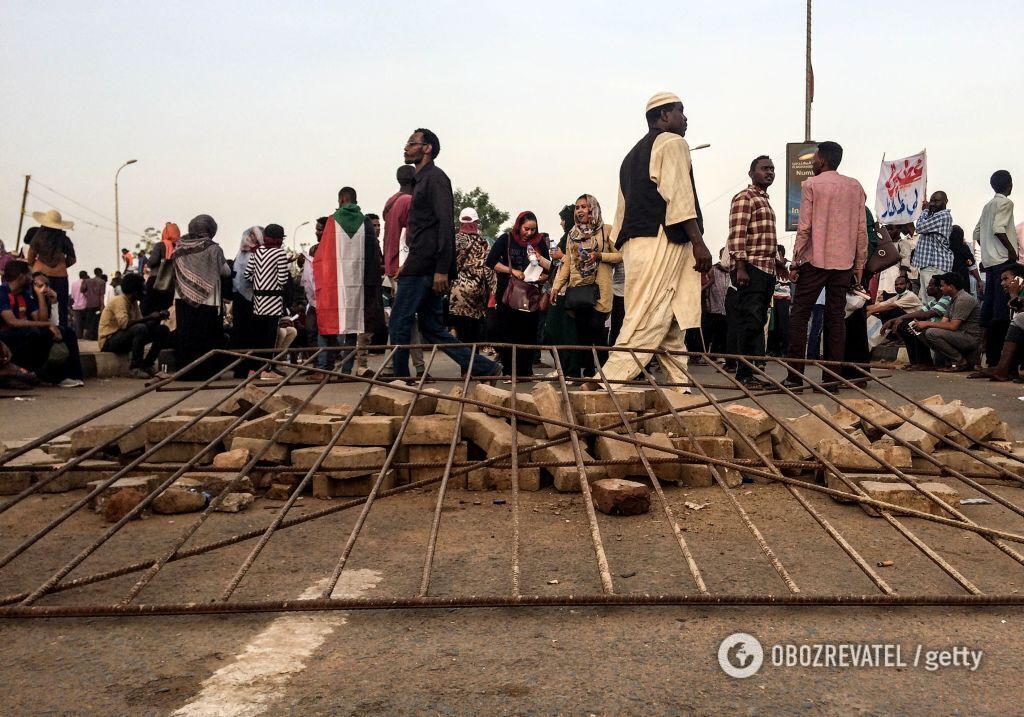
pixel 437 454
pixel 341 409
pixel 80 476
pixel 194 411
pixel 450 406
pixel 13 482
pixel 846 455
pixel 500 478
pixel 142 484
pixel 750 421
pixel 235 458
pixel 493 396
pixel 918 437
pixel 339 457
pixel 533 430
pixel 601 420
pixel 697 423
pixel 566 478
pixel 370 431
pixel 607 449
pixel 979 423
pixel 235 503
pixel 262 427
pixel 175 452
pixel 906 496
pixel 89 437
pixel 587 402
pixel 109 365
pixel 678 400
pixel 526 403
pixel 252 395
pixel 333 485
pixel 696 475
pixel 176 500
pixel 635 399
pixel 549 404
pixel 275 454
pixel 205 430
pixel 1003 432
pixel 214 483
pixel 810 429
pixel 308 430
pixel 430 430
pixel 395 402
pixel 832 481
pixel 621 497
pixel 279 491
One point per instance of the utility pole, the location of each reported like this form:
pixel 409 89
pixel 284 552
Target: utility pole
pixel 117 217
pixel 808 80
pixel 21 215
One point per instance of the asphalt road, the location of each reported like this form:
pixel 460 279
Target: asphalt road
pixel 536 661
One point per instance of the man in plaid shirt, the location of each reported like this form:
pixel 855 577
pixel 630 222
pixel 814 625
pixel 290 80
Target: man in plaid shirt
pixel 754 252
pixel 932 256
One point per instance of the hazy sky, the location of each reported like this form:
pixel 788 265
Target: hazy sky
pixel 257 112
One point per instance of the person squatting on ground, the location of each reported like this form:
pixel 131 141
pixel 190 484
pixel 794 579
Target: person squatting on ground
pixel 123 329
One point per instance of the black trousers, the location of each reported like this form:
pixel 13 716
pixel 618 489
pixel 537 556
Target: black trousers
pixel 516 327
pixel 467 329
pixel 714 327
pixel 134 340
pixel 917 352
pixel 778 337
pixel 732 320
pixel 751 307
pixel 618 316
pixel 590 331
pixel 200 329
pixel 811 280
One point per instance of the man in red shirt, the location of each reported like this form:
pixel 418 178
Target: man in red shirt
pixel 830 251
pixel 396 224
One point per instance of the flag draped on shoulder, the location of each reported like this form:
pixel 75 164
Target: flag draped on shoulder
pixel 339 268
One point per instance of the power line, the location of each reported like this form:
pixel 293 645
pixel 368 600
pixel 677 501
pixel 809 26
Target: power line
pixel 83 206
pixel 83 220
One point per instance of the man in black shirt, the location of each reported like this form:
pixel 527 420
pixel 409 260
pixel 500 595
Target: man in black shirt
pixel 424 277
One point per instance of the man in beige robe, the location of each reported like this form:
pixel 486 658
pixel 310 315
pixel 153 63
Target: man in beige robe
pixel 658 229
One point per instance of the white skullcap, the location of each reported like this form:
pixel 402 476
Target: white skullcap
pixel 661 99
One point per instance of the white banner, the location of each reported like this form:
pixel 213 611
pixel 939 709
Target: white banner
pixel 902 188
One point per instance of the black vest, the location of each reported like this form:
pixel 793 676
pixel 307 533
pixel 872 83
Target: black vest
pixel 645 207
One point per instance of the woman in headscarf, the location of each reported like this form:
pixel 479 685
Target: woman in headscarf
pixel 199 266
pixel 51 253
pixel 245 332
pixel 467 302
pixel 160 299
pixel 266 270
pixel 964 263
pixel 513 254
pixel 590 256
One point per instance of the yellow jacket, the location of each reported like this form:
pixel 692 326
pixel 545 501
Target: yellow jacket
pixel 568 273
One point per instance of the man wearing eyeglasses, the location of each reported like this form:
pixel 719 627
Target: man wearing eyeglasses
pixel 425 276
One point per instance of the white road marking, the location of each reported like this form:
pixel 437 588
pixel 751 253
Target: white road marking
pixel 249 685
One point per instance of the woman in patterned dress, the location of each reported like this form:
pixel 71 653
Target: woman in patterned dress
pixel 467 302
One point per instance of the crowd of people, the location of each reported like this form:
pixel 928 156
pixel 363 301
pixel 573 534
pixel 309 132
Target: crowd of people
pixel 643 283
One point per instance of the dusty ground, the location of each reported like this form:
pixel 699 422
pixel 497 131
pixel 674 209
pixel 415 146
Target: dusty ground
pixel 506 661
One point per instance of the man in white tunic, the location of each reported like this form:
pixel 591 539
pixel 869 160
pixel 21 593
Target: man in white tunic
pixel 658 228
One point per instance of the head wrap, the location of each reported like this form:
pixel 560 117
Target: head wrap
pixel 661 99
pixel 582 242
pixel 203 226
pixel 517 231
pixel 252 239
pixel 579 231
pixel 170 236
pixel 469 227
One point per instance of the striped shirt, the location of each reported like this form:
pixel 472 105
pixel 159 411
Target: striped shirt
pixel 752 229
pixel 268 271
pixel 932 248
pixel 940 306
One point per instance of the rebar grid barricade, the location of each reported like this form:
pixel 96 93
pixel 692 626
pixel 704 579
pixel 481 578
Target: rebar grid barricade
pixel 41 601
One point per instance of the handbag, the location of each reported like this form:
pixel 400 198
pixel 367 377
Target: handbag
pixel 165 276
pixel 521 295
pixel 886 253
pixel 582 297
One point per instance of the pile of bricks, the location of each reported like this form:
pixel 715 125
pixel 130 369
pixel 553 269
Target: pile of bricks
pixel 485 431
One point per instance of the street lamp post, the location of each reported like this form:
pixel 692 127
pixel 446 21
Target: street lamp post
pixel 117 216
pixel 296 231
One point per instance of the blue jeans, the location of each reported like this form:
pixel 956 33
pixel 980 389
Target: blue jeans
pixel 326 359
pixel 416 297
pixel 814 332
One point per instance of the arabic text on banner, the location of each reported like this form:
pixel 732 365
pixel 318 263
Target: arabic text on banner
pixel 902 185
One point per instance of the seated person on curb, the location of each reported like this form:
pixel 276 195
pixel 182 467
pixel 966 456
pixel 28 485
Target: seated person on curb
pixel 124 329
pixel 957 338
pixel 26 328
pixel 903 302
pixel 1012 281
pixel 937 308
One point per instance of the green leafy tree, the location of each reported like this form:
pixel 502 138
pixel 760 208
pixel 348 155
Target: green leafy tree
pixel 150 236
pixel 491 218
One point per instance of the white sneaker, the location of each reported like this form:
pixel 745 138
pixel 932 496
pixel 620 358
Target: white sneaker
pixel 71 383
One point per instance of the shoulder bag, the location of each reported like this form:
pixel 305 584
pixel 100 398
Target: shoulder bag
pixel 521 295
pixel 886 253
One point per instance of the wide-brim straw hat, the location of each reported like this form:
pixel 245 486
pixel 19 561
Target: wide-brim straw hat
pixel 52 220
